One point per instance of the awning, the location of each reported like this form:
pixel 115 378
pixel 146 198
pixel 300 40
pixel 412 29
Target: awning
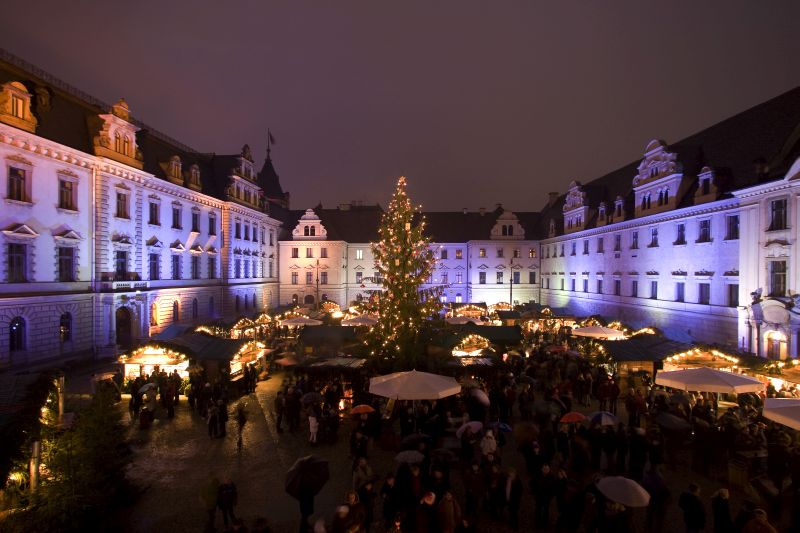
pixel 208 347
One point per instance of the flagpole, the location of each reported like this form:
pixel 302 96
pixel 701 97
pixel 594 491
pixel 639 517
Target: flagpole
pixel 269 143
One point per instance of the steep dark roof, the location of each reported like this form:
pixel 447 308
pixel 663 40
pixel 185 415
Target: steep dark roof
pixel 458 226
pixel 768 131
pixel 269 181
pixel 357 223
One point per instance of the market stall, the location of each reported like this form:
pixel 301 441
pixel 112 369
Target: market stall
pixel 155 357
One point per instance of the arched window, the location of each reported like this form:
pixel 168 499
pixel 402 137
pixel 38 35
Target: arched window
pixel 117 143
pixel 313 231
pixel 510 229
pixel 176 317
pixel 504 230
pixel 16 335
pixel 211 312
pixel 65 327
pixel 195 310
pixel 255 307
pixel 126 146
pixel 246 302
pixel 666 196
pixel 306 231
pixel 660 197
pixel 153 314
pixel 236 305
pixel 324 298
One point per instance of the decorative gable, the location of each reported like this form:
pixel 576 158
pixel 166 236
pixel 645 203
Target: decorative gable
pixel 507 227
pixel 707 190
pixel 576 212
pixel 20 231
pixel 67 237
pixel 116 138
pixel 658 182
pixel 15 107
pixel 154 243
pixel 309 228
pixel 177 246
pixel 173 169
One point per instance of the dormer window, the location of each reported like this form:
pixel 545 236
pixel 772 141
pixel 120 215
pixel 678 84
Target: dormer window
pixel 194 175
pixel 653 171
pixel 15 106
pixel 175 167
pixel 705 186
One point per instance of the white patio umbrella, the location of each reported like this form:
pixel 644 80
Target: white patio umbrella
pixel 599 332
pixel 360 320
pixel 414 385
pixel 706 379
pixel 300 321
pixel 785 411
pixel 623 490
pixel 457 320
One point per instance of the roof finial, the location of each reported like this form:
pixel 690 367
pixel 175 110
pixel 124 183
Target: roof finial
pixel 270 142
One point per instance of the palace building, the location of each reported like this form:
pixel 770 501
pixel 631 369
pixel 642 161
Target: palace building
pixel 112 232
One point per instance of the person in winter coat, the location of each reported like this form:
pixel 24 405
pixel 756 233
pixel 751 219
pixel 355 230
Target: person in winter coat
pixel 391 501
pixel 759 523
pixel 721 511
pixel 694 513
pixel 448 513
pixel 362 473
pixel 545 492
pixel 208 496
pixel 313 427
pixel 227 500
pixel 475 488
pixel 425 518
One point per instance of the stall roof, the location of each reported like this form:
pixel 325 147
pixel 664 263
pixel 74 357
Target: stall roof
pixel 204 346
pixel 470 361
pixel 509 315
pixel 327 334
pixel 170 332
pixel 338 362
pixel 643 348
pixel 496 334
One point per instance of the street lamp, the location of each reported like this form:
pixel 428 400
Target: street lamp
pixel 511 282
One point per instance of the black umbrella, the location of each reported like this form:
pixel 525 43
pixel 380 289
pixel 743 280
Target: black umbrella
pixel 312 397
pixel 412 441
pixel 672 422
pixel 307 476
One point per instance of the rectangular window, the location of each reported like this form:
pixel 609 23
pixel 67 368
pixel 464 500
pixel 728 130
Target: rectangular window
pixel 482 278
pixel 703 293
pixel 732 227
pixel 359 254
pixel 154 263
pixel 212 224
pixel 562 250
pixel 263 236
pixel 66 195
pixel 16 185
pixel 600 245
pixel 777 278
pixel 500 253
pixel 617 287
pixel 66 263
pixel 585 285
pixel 499 278
pixel 212 268
pixel 680 234
pixel 271 238
pixel 574 247
pixel 121 265
pixel 617 242
pixel 323 253
pixel 247 232
pixel 680 291
pixel 586 247
pixel 572 284
pixel 237 268
pixel 654 290
pixel 443 254
pixel 176 267
pixel 653 237
pixel 17 106
pixel 295 253
pixel 532 278
pixel 778 218
pixel 562 284
pixel 271 267
pixel 176 217
pixel 444 278
pixel 246 268
pixel 635 288
pixel 704 230
pixel 376 278
pixel 154 210
pixel 531 253
pixel 515 277
pixel 195 267
pixel 309 253
pixel 359 277
pixel 294 277
pixel 253 268
pixel 635 240
pixel 195 222
pixel 122 205
pixel 323 278
pixel 482 252
pixel 237 230
pixel 599 286
pixel 459 253
pixel 516 253
pixel 733 295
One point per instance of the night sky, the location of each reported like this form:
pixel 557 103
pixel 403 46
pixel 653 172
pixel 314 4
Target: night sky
pixel 477 102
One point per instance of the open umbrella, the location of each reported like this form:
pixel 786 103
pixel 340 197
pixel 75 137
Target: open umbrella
pixel 362 409
pixel 286 361
pixel 709 380
pixel 603 418
pixel 474 426
pixel 409 457
pixel 572 417
pixel 307 476
pixel 312 397
pixel 624 491
pixel 146 387
pixel 300 321
pixel 785 411
pixel 414 385
pixel 413 441
pixel 672 422
pixel 480 395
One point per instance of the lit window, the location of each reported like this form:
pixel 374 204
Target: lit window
pixel 17 186
pixel 359 254
pixel 66 263
pixel 66 194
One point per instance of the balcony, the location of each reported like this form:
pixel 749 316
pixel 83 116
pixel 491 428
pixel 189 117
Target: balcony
pixel 130 281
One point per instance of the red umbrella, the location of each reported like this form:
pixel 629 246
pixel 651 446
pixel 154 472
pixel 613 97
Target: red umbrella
pixel 573 417
pixel 361 409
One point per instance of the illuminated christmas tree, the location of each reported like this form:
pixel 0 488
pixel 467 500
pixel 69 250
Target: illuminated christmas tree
pixel 405 262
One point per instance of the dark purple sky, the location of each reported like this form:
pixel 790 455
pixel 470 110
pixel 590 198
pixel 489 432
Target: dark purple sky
pixel 477 102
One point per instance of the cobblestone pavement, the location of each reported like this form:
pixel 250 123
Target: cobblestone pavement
pixel 174 457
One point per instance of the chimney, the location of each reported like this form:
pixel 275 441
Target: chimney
pixel 482 210
pixel 464 211
pixel 551 198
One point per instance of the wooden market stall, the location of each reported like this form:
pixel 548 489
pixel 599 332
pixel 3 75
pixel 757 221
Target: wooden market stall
pixel 641 353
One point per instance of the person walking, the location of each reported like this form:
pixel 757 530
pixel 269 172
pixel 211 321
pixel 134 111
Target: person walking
pixel 313 428
pixel 694 513
pixel 241 420
pixel 279 408
pixel 209 495
pixel 512 491
pixel 227 500
pixel 721 511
